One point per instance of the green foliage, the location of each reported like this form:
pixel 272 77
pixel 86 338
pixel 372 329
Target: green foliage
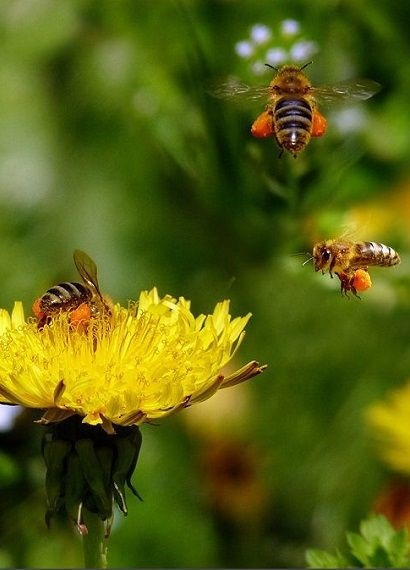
pixel 378 545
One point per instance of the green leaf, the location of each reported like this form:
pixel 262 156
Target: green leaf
pixel 359 548
pixel 378 545
pixel 376 529
pixel 399 548
pixel 316 558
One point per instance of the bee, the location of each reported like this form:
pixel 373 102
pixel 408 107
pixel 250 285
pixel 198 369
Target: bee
pixel 292 115
pixel 81 301
pixel 344 258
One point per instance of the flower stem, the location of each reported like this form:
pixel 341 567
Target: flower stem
pixel 94 541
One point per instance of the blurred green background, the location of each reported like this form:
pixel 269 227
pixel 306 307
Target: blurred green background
pixel 110 142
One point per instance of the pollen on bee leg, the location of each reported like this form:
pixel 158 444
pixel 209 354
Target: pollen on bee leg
pixel 262 127
pixel 36 309
pixel 361 280
pixel 319 124
pixel 81 314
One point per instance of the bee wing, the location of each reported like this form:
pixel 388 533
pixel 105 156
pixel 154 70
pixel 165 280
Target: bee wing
pixel 87 269
pixel 354 90
pixel 233 89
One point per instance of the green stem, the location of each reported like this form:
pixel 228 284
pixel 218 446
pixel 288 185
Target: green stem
pixel 94 542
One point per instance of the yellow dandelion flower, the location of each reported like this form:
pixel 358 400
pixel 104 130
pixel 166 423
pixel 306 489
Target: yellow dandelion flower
pixel 391 422
pixel 105 378
pixel 150 360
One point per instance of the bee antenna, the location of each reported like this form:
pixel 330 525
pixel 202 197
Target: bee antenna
pixel 305 254
pixel 272 66
pixel 308 259
pixel 306 64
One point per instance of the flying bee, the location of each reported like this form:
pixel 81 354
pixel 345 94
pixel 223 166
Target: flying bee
pixel 345 258
pixel 81 301
pixel 291 115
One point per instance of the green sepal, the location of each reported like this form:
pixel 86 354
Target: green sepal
pixel 104 456
pixel 75 487
pixel 127 451
pixel 55 453
pixel 93 474
pixel 88 468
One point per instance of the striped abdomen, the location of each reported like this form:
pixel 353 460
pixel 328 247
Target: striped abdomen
pixel 65 296
pixel 293 124
pixel 373 253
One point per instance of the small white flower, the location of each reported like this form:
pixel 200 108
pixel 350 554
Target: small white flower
pixel 244 49
pixel 275 56
pixel 260 34
pixel 301 51
pixel 290 28
pixel 278 46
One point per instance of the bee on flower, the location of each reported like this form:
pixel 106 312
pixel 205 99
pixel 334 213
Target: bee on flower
pixel 79 301
pixel 98 384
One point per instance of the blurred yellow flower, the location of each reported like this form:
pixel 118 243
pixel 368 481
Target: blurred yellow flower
pixel 390 421
pixel 148 361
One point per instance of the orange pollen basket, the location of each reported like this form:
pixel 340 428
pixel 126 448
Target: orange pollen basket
pixel 80 314
pixel 361 280
pixel 36 309
pixel 319 124
pixel 263 126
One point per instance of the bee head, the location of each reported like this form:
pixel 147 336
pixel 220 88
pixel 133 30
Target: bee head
pixel 322 256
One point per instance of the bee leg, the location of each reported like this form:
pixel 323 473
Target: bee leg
pixel 43 321
pixel 331 266
pixel 352 288
pixel 346 284
pixel 319 124
pixel 262 127
pixel 80 317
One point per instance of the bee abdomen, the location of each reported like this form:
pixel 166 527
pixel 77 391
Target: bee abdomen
pixel 65 294
pixel 293 123
pixel 373 253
